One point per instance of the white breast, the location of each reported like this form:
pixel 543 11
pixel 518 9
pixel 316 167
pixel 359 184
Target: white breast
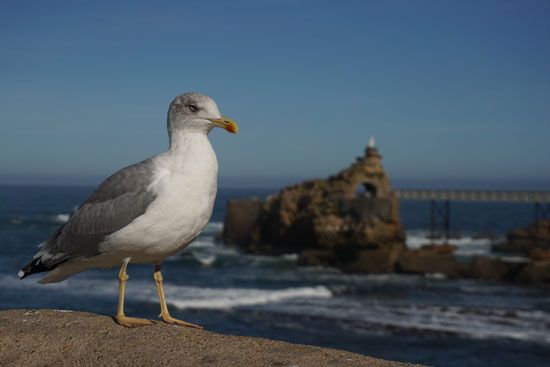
pixel 185 183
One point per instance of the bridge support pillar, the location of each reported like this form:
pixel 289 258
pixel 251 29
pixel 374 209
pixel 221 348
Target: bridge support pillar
pixel 542 214
pixel 440 217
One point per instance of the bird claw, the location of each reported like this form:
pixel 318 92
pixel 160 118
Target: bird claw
pixel 172 321
pixel 132 321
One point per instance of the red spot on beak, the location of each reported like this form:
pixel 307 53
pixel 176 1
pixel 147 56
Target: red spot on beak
pixel 231 128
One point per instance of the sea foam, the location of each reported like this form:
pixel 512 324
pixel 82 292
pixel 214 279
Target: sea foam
pixel 61 218
pixel 208 298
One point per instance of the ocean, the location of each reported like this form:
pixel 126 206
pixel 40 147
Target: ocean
pixel 420 319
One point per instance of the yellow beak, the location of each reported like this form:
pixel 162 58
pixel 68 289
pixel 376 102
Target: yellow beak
pixel 226 123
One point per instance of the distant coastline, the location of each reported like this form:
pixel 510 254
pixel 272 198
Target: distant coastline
pixel 276 183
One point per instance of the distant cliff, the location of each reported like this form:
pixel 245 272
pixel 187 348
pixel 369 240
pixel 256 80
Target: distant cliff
pixel 350 220
pixel 64 338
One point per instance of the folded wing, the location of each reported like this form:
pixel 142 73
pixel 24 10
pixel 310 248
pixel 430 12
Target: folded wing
pixel 119 200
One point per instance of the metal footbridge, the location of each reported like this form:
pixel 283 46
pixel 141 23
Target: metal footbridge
pixel 440 211
pixel 475 195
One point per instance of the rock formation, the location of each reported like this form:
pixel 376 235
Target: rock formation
pixel 350 220
pixel 532 241
pixel 525 240
pixel 431 261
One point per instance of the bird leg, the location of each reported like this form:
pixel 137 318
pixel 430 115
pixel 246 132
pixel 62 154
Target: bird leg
pixel 164 314
pixel 120 317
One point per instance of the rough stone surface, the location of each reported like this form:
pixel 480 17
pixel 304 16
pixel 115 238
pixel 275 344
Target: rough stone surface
pixel 374 260
pixel 492 269
pixel 242 217
pixel 426 261
pixel 536 272
pixel 441 249
pixel 524 240
pixel 61 338
pixel 378 260
pixel 539 254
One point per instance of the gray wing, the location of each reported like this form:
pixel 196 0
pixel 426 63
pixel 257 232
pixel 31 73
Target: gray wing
pixel 113 205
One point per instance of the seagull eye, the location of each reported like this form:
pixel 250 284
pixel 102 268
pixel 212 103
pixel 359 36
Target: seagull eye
pixel 193 108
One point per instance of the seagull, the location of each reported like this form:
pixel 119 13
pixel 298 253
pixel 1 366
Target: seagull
pixel 145 212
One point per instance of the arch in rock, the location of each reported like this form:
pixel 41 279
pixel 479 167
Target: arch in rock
pixel 366 189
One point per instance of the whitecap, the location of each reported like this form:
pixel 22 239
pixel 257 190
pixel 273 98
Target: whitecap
pixel 181 297
pixel 61 218
pixel 209 298
pixel 204 258
pixel 290 257
pixel 466 246
pixel 214 227
pixel 514 259
pixel 202 243
pixel 436 276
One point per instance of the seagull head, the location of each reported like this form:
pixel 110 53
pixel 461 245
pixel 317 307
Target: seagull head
pixel 195 112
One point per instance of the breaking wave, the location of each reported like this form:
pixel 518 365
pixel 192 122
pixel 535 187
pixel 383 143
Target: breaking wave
pixel 40 219
pixel 213 228
pixel 227 298
pixel 205 259
pixel 181 297
pixel 61 218
pixel 466 246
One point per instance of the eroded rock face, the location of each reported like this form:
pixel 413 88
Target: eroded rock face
pixel 350 220
pixel 431 261
pixel 493 269
pixel 242 216
pixel 537 272
pixel 524 240
pixel 427 261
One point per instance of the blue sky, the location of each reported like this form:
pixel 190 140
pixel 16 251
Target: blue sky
pixel 452 90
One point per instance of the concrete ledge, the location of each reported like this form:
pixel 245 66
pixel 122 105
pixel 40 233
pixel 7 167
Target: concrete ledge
pixel 64 338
